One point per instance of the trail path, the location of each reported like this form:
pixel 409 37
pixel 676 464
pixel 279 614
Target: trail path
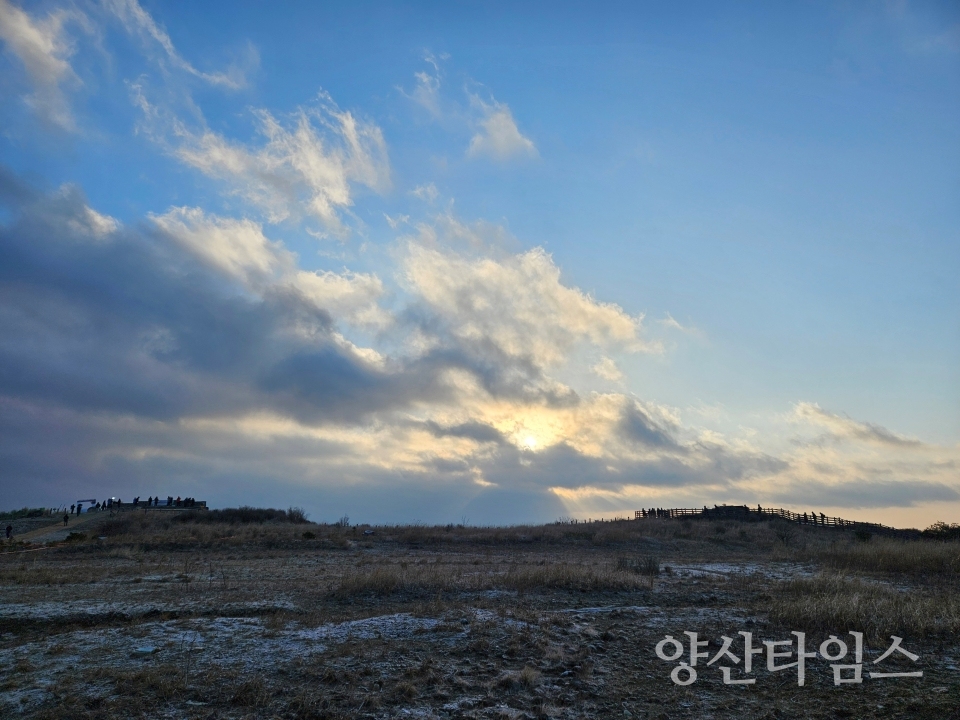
pixel 56 533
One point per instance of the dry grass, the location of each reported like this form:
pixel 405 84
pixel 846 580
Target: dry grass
pixel 567 576
pixel 888 555
pixel 644 565
pixel 386 580
pixel 834 601
pixel 381 581
pixel 566 634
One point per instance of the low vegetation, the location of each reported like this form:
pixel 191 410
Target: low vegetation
pixel 253 612
pixel 833 601
pixel 23 513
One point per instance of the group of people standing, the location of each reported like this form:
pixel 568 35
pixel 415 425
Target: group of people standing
pixel 117 503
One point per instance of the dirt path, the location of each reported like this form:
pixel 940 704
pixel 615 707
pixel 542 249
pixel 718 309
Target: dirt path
pixel 56 533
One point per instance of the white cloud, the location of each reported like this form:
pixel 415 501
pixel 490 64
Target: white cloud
pixel 44 50
pixel 427 193
pixel 498 137
pixel 138 21
pixel 426 92
pixel 845 428
pixel 240 250
pixel 668 321
pixel 236 247
pixel 608 370
pixel 518 303
pixel 348 295
pixel 396 221
pixel 304 169
pixel 94 224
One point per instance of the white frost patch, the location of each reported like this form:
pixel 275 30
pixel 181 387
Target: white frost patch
pixel 400 625
pixel 775 571
pixel 85 609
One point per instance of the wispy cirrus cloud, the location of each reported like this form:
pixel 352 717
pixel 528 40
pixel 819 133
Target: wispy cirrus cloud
pixel 493 128
pixel 44 49
pixel 304 167
pixel 139 22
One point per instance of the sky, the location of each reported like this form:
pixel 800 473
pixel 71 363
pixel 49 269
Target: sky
pixel 484 263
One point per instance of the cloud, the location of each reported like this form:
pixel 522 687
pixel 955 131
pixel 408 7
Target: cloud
pixel 875 494
pixel 138 21
pixel 426 91
pixel 608 370
pixel 195 348
pixel 498 137
pixel 200 316
pixel 43 48
pixel 844 428
pixel 236 247
pixel 427 192
pixel 516 305
pixel 305 167
pixel 350 296
pixel 668 321
pixel 495 132
pixel 240 250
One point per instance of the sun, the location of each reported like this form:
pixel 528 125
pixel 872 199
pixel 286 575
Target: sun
pixel 530 442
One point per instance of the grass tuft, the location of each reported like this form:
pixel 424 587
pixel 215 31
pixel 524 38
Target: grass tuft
pixel 831 601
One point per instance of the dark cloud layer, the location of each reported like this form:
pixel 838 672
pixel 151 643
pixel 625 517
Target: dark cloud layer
pixel 868 494
pixel 127 323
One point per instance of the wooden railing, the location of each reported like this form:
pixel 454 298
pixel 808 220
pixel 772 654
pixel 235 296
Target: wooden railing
pixel 743 512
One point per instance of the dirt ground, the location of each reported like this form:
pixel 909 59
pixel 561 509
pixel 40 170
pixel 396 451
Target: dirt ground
pixel 154 616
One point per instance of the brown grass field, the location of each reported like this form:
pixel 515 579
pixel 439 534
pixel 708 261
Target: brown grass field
pixel 235 615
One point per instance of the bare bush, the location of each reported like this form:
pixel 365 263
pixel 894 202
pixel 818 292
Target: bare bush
pixel 296 515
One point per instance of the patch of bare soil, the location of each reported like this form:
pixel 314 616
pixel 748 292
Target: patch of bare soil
pixel 165 617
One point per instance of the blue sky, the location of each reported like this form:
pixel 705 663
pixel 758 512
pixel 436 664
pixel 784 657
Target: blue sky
pixel 435 261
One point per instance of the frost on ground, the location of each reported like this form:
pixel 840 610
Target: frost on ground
pixel 279 621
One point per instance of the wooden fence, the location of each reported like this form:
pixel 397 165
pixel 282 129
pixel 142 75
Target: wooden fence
pixel 743 512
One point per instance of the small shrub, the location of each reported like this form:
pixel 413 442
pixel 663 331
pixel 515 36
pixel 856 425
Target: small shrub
pixel 784 532
pixel 252 693
pixel 942 531
pixel 529 676
pixel 407 690
pixel 244 515
pixel 644 565
pixel 296 515
pixel 23 513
